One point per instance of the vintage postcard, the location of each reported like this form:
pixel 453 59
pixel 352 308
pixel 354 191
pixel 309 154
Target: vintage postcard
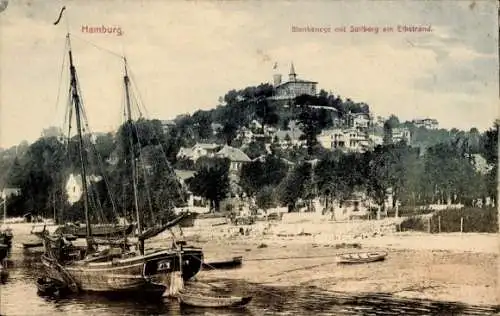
pixel 249 158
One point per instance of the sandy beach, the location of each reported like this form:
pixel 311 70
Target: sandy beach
pixel 449 267
pixel 300 250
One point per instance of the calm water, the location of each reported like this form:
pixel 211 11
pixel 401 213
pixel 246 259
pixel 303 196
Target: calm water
pixel 18 296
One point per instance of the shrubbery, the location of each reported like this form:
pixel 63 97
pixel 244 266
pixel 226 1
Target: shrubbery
pixel 475 220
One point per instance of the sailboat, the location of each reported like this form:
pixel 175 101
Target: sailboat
pixel 115 270
pixel 6 232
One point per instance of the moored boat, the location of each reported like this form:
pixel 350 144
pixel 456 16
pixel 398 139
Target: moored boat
pixel 223 264
pixel 32 244
pixel 4 250
pixel 101 230
pixel 116 269
pixel 4 274
pixel 6 237
pixel 202 300
pixel 47 286
pixel 361 257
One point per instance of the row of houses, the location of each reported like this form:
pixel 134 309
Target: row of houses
pixel 236 156
pixel 355 137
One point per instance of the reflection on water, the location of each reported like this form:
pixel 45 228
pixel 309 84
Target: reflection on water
pixel 18 296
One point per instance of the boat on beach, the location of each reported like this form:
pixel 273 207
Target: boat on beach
pixel 361 257
pixel 47 286
pixel 100 230
pixel 32 244
pixel 203 300
pixel 4 250
pixel 6 234
pixel 107 265
pixel 223 264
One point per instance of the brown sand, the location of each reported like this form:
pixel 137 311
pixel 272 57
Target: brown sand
pixel 448 267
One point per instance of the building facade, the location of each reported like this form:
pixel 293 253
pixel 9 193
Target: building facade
pixel 292 88
pixel 426 123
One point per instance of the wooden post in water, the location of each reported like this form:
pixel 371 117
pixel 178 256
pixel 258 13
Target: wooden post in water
pixel 461 224
pixel 429 225
pixel 439 224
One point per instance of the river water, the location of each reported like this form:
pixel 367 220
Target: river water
pixel 18 296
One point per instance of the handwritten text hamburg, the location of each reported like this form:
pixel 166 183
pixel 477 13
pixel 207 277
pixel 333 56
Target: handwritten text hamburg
pixel 362 29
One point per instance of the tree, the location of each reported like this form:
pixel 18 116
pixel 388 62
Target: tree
pixel 202 121
pixel 229 132
pixel 212 183
pixel 266 112
pixel 257 174
pixel 447 174
pixel 275 146
pixel 252 177
pixel 336 176
pixel 308 121
pixel 255 149
pixel 389 125
pixel 294 185
pixel 266 198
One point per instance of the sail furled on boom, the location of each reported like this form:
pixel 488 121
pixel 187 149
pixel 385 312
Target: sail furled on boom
pixel 156 230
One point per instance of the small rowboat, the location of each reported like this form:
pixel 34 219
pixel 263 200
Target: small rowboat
pixel 32 244
pixel 200 300
pixel 4 250
pixel 70 237
pixel 223 264
pixel 361 257
pixel 47 286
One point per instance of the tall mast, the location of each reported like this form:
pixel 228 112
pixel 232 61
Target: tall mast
pixel 4 196
pixel 77 104
pixel 130 123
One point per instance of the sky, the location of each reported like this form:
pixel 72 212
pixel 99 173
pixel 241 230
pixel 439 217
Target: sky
pixel 184 55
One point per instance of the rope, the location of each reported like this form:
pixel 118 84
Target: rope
pixel 99 161
pixel 98 47
pixel 212 267
pixel 60 74
pixel 157 138
pixel 287 258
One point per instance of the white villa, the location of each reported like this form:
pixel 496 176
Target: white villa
pixel 197 151
pixel 74 186
pixel 349 140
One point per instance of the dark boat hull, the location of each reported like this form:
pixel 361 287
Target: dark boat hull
pixel 4 250
pixel 48 286
pixel 32 244
pixel 6 238
pixel 228 264
pixel 97 230
pixel 127 276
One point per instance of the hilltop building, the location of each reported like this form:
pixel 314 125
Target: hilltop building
pixel 426 123
pixel 293 87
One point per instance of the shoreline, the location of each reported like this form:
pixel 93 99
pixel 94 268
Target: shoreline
pixel 446 267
